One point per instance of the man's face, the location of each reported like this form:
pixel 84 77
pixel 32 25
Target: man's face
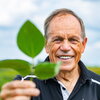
pixel 64 41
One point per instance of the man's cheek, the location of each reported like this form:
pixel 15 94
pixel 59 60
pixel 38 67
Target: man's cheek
pixel 52 54
pixel 50 45
pixel 48 48
pixel 77 50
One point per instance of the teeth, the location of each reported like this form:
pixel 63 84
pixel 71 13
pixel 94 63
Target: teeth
pixel 65 57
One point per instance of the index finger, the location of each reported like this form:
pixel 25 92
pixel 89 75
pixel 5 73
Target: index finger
pixel 19 84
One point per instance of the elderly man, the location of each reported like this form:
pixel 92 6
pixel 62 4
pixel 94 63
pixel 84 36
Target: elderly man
pixel 65 41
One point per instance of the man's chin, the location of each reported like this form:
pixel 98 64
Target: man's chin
pixel 66 67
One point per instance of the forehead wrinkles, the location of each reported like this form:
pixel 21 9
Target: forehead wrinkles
pixel 64 22
pixel 65 18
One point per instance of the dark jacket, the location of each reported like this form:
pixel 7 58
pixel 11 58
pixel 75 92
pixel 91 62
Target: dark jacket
pixel 86 88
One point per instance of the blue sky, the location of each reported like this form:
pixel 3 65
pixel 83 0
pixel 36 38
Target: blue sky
pixel 13 13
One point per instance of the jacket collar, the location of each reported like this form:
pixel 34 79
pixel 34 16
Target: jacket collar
pixel 84 76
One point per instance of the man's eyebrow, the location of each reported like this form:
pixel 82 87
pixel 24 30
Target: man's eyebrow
pixel 75 37
pixel 57 37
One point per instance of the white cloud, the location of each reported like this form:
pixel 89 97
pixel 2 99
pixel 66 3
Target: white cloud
pixel 39 21
pixel 11 9
pixel 92 52
pixel 87 10
pixel 91 56
pixel 97 45
pixel 92 35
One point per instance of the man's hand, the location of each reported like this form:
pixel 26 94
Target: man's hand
pixel 18 90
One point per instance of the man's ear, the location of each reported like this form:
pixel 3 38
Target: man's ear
pixel 84 44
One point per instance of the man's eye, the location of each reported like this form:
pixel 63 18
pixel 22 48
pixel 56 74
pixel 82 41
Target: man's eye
pixel 57 40
pixel 73 40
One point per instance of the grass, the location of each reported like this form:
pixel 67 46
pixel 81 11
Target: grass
pixel 95 69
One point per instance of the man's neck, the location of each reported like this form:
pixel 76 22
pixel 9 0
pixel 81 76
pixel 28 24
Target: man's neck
pixel 69 78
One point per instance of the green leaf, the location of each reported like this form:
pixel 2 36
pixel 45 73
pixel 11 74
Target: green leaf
pixel 21 66
pixel 46 70
pixel 7 75
pixel 30 40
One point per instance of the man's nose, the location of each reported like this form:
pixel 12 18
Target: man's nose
pixel 65 46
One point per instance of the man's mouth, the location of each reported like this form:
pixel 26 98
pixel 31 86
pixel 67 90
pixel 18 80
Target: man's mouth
pixel 65 57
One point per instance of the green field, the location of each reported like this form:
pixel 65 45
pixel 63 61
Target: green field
pixel 95 69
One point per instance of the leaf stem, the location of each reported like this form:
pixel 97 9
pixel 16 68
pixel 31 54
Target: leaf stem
pixel 28 76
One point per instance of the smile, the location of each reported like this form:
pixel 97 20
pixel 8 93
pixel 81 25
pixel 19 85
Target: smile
pixel 65 57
